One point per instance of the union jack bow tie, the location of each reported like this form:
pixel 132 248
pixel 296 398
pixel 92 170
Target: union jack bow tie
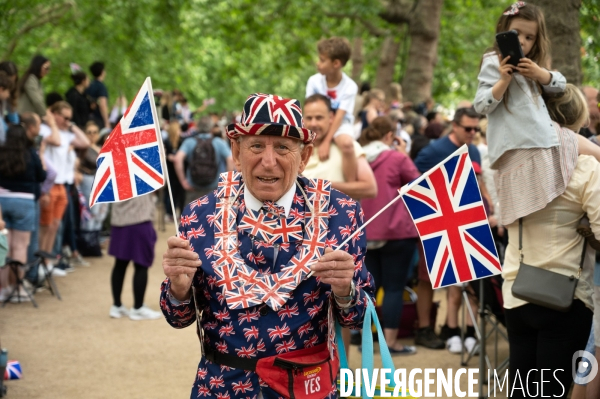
pixel 514 8
pixel 273 209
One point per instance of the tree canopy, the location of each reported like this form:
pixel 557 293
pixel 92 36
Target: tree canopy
pixel 227 49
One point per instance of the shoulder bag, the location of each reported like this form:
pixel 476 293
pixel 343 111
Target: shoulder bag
pixel 543 287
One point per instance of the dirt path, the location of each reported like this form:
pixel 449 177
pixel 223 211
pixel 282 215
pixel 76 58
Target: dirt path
pixel 71 349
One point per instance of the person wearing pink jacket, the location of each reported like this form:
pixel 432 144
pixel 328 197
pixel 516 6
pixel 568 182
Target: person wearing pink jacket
pixel 392 237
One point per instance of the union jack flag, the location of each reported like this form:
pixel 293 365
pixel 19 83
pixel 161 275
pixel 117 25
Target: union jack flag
pixel 285 346
pixel 246 352
pixel 271 115
pixel 242 386
pixel 13 370
pixel 129 163
pixel 278 332
pixel 446 207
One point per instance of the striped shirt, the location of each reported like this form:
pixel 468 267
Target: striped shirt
pixel 528 179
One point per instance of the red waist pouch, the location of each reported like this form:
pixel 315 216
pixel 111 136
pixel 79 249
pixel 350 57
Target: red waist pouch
pixel 307 373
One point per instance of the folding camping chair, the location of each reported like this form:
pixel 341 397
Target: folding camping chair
pixel 488 292
pixel 40 257
pixel 15 266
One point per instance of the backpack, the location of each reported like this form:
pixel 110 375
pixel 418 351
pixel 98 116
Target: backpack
pixel 204 166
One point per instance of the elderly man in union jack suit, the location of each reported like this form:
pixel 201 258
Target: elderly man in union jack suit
pixel 241 266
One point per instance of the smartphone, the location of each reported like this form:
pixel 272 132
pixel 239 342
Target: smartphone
pixel 508 43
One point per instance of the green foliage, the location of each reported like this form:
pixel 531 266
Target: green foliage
pixel 590 35
pixel 467 30
pixel 228 49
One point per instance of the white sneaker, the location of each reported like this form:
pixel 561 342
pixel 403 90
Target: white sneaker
pixel 117 312
pixel 454 344
pixel 144 313
pixel 470 343
pixel 77 260
pixel 4 293
pixel 55 271
pixel 20 297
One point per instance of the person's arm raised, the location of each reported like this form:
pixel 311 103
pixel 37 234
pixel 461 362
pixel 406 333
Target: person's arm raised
pixel 103 105
pixel 54 137
pixel 80 141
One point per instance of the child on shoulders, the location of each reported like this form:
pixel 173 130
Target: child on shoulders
pixel 535 158
pixel 334 53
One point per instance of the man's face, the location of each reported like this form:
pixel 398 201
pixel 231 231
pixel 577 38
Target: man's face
pixel 317 117
pixel 34 131
pixel 269 164
pixel 591 96
pixel 465 130
pixel 63 118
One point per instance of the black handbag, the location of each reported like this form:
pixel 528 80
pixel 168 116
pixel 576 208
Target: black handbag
pixel 543 287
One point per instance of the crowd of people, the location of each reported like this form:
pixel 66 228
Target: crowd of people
pixel 530 138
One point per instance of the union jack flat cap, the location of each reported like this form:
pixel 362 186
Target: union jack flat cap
pixel 267 114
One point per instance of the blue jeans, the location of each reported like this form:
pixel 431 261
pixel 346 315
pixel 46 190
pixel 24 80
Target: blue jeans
pixel 35 234
pixel 31 274
pixel 389 266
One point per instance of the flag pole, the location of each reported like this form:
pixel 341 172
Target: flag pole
pixel 364 225
pixel 163 159
pixel 403 190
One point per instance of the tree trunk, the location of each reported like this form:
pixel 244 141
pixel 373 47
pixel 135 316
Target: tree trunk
pixel 390 48
pixel 424 31
pixel 562 23
pixel 357 58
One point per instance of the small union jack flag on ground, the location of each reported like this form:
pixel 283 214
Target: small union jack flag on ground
pixel 446 207
pixel 129 163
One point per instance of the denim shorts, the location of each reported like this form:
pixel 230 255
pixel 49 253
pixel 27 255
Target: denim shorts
pixel 18 213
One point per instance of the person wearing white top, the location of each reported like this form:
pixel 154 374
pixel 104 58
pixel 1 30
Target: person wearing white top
pixel 60 136
pixel 331 82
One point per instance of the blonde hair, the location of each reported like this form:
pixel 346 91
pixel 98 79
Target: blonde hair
pixel 483 125
pixel 174 133
pixel 167 99
pixel 569 108
pixel 395 92
pixel 59 106
pixel 374 94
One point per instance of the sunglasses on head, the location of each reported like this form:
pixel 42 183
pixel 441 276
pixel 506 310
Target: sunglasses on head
pixel 470 129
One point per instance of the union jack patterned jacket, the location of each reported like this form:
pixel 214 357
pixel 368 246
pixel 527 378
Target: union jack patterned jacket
pixel 264 329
